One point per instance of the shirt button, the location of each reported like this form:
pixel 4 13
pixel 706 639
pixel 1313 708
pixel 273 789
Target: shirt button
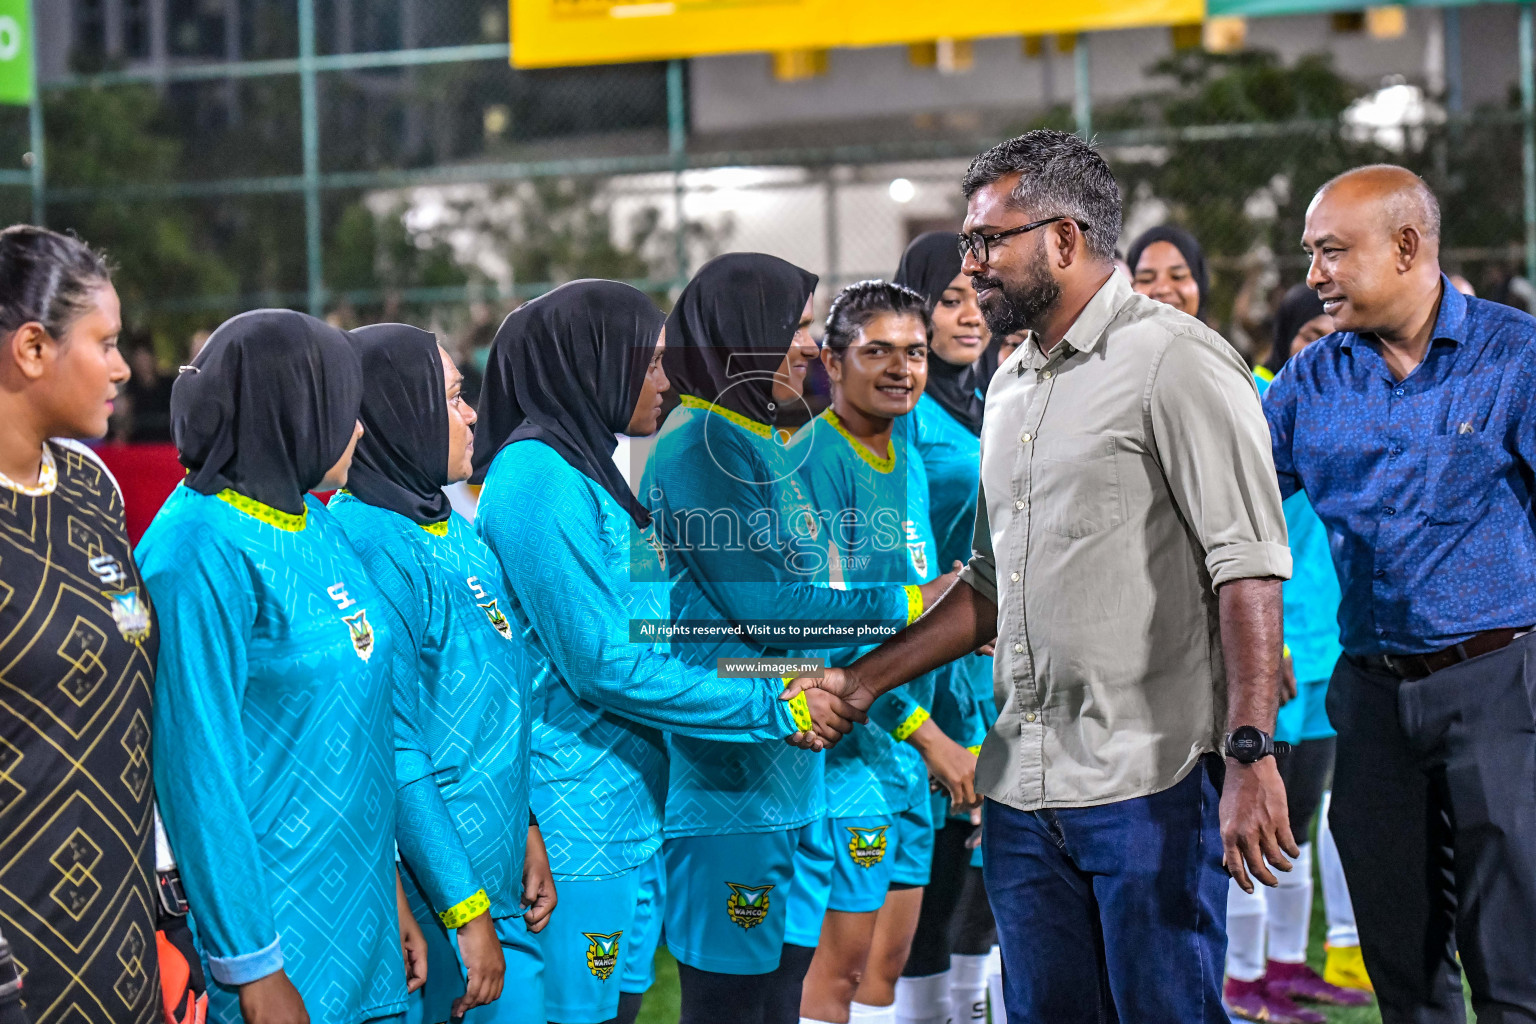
pixel 1025 437
pixel 1379 573
pixel 1029 717
pixel 1398 392
pixel 1014 576
pixel 1046 375
pixel 1018 648
pixel 1019 503
pixel 1394 452
pixel 1389 510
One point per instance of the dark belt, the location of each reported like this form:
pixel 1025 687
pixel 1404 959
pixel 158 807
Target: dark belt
pixel 1417 666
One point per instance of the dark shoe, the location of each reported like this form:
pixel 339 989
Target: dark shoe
pixel 1302 984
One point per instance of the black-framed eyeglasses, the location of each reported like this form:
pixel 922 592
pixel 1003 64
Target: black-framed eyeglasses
pixel 980 245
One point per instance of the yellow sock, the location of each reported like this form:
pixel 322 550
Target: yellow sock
pixel 1345 967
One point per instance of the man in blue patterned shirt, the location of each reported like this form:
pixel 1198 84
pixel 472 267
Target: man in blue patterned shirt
pixel 1412 431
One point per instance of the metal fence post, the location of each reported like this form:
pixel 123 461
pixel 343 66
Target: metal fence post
pixel 677 147
pixel 35 130
pixel 1082 95
pixel 1528 125
pixel 309 111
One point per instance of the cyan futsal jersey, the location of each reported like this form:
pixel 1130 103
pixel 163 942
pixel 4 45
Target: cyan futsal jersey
pixel 963 705
pixel 742 546
pixel 1312 593
pixel 274 763
pixel 876 514
pixel 576 572
pixel 462 681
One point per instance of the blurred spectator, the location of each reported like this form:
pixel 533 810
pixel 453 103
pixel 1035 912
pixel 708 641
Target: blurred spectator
pixel 199 339
pixel 473 353
pixel 1167 264
pixel 1462 285
pixel 149 398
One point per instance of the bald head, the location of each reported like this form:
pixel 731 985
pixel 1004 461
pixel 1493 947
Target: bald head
pixel 1399 197
pixel 1373 238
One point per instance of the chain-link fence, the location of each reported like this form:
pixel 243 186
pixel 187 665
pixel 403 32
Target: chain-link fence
pixel 437 184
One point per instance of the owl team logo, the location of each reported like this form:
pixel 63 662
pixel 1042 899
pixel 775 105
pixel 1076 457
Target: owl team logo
pixel 867 845
pixel 602 954
pixel 130 614
pixel 917 548
pixel 497 619
pixel 362 633
pixel 748 905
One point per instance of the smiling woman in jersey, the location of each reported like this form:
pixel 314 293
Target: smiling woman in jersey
pixel 868 485
pixel 462 685
pixel 274 763
pixel 942 976
pixel 582 566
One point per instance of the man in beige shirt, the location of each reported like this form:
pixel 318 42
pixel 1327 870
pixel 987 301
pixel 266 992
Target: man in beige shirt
pixel 1129 551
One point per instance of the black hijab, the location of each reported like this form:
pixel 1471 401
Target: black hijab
pixel 1194 257
pixel 402 459
pixel 567 369
pixel 730 329
pixel 931 262
pixel 1299 305
pixel 267 407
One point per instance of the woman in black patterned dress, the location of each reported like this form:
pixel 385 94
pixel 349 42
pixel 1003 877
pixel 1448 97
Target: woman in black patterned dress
pixel 77 653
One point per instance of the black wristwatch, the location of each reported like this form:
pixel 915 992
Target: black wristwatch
pixel 1247 744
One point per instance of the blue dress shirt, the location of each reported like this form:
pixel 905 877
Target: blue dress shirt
pixel 1425 483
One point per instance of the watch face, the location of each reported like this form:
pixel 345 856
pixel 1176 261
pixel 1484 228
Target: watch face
pixel 1247 743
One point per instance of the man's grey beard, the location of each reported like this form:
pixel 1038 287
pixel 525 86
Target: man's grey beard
pixel 1023 306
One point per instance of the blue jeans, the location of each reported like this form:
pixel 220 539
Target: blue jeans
pixel 1112 913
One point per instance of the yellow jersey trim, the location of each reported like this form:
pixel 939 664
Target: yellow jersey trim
pixel 436 529
pixel 465 911
pixel 762 430
pixel 974 750
pixel 800 710
pixel 910 725
pixel 876 463
pixel 1264 373
pixel 47 479
pixel 266 513
pixel 914 602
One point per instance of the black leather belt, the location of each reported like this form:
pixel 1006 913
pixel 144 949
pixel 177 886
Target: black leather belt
pixel 1417 666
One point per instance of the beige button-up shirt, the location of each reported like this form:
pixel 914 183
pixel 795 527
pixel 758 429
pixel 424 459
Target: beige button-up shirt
pixel 1124 477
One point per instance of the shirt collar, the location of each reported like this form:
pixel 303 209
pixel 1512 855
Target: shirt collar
pixel 1089 327
pixel 1450 322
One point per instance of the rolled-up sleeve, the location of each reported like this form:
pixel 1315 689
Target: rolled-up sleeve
pixel 1213 443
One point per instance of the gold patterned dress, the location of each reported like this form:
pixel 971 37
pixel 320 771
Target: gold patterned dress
pixel 77 663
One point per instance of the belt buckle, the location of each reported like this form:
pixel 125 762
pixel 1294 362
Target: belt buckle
pixel 173 899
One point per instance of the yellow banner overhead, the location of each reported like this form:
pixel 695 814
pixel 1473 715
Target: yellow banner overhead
pixel 547 33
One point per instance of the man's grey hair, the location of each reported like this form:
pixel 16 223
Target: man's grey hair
pixel 1059 175
pixel 1410 202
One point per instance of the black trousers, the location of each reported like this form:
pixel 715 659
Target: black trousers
pixel 1434 812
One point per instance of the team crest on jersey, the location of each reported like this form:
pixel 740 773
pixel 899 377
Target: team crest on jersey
pixel 748 905
pixel 497 619
pixel 602 954
pixel 362 633
pixel 917 549
pixel 867 845
pixel 130 614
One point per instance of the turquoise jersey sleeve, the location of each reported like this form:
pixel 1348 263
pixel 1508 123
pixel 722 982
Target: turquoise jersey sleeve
pixel 897 712
pixel 424 828
pixel 550 543
pixel 204 595
pixel 742 580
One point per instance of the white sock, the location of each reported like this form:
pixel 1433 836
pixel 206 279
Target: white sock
pixel 923 1000
pixel 863 1013
pixel 1336 904
pixel 995 986
pixel 968 988
pixel 1245 933
pixel 1290 910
